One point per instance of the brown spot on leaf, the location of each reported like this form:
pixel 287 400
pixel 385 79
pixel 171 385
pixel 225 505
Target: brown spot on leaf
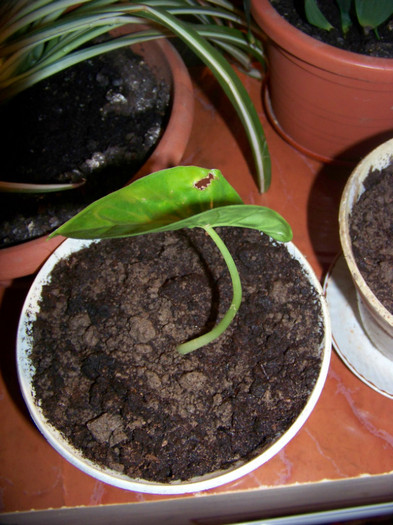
pixel 205 182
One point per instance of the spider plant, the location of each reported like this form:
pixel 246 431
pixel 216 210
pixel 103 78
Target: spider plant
pixel 369 14
pixel 39 38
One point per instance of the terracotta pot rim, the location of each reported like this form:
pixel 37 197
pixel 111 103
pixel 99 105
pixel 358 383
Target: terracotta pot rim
pixel 209 481
pixel 319 54
pixel 168 152
pixel 354 185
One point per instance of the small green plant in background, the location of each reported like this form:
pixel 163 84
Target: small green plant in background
pixel 39 38
pixel 181 197
pixel 369 14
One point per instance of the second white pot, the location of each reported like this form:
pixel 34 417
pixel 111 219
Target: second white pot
pixel 376 319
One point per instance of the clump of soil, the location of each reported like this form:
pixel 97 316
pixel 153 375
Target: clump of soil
pixel 98 121
pixel 355 40
pixel 371 232
pixel 107 373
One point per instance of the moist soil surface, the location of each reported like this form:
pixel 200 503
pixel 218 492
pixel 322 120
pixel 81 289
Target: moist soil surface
pixel 108 375
pixel 355 40
pixel 97 121
pixel 371 231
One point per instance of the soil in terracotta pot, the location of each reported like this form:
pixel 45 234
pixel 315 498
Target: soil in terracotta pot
pixel 355 40
pixel 371 231
pixel 97 121
pixel 108 375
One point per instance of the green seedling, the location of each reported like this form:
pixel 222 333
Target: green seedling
pixel 369 14
pixel 181 197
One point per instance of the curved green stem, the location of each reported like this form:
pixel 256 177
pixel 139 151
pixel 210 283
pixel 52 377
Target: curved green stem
pixel 205 339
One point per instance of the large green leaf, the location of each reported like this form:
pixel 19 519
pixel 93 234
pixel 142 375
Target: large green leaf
pixel 152 202
pixel 181 197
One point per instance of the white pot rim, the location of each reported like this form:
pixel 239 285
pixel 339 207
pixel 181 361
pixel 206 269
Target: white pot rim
pixel 25 374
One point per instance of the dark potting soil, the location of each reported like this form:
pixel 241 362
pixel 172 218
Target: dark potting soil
pixel 98 121
pixel 108 375
pixel 355 40
pixel 371 231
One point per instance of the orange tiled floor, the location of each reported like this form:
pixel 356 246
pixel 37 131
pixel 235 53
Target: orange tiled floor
pixel 350 432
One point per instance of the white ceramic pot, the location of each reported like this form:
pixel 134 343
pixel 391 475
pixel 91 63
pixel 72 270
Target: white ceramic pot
pixel 26 373
pixel 377 320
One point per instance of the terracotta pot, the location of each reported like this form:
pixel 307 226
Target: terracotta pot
pixel 26 258
pixel 331 104
pixel 377 320
pixel 112 477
